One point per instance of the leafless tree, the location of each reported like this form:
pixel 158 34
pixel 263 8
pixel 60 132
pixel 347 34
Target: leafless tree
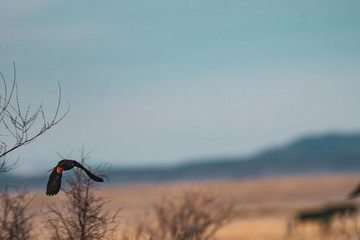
pixel 20 126
pixel 195 214
pixel 15 222
pixel 82 216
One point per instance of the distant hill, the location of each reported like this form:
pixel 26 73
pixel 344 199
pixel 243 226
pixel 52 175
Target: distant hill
pixel 330 153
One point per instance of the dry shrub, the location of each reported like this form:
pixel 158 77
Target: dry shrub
pixel 15 222
pixel 195 214
pixel 82 216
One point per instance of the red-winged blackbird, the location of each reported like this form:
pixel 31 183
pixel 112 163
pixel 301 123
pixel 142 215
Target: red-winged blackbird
pixel 354 193
pixel 54 183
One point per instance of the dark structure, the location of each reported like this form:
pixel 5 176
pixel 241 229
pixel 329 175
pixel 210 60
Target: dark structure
pixel 325 215
pixel 354 193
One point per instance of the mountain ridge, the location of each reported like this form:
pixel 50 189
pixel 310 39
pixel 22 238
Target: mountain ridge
pixel 326 153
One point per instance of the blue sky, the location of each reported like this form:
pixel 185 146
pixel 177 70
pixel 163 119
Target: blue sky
pixel 163 82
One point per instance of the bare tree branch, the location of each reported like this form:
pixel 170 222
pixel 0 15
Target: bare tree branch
pixel 20 127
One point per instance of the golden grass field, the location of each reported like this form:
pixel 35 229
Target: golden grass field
pixel 265 205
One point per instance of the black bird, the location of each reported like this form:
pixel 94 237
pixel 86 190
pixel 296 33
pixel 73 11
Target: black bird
pixel 54 183
pixel 354 193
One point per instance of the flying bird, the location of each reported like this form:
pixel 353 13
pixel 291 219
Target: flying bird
pixel 54 183
pixel 354 193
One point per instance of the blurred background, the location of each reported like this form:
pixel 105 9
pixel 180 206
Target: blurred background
pixel 180 83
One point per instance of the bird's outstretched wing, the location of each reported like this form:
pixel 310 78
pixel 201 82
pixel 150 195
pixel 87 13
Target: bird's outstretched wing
pixel 90 174
pixel 354 193
pixel 54 183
